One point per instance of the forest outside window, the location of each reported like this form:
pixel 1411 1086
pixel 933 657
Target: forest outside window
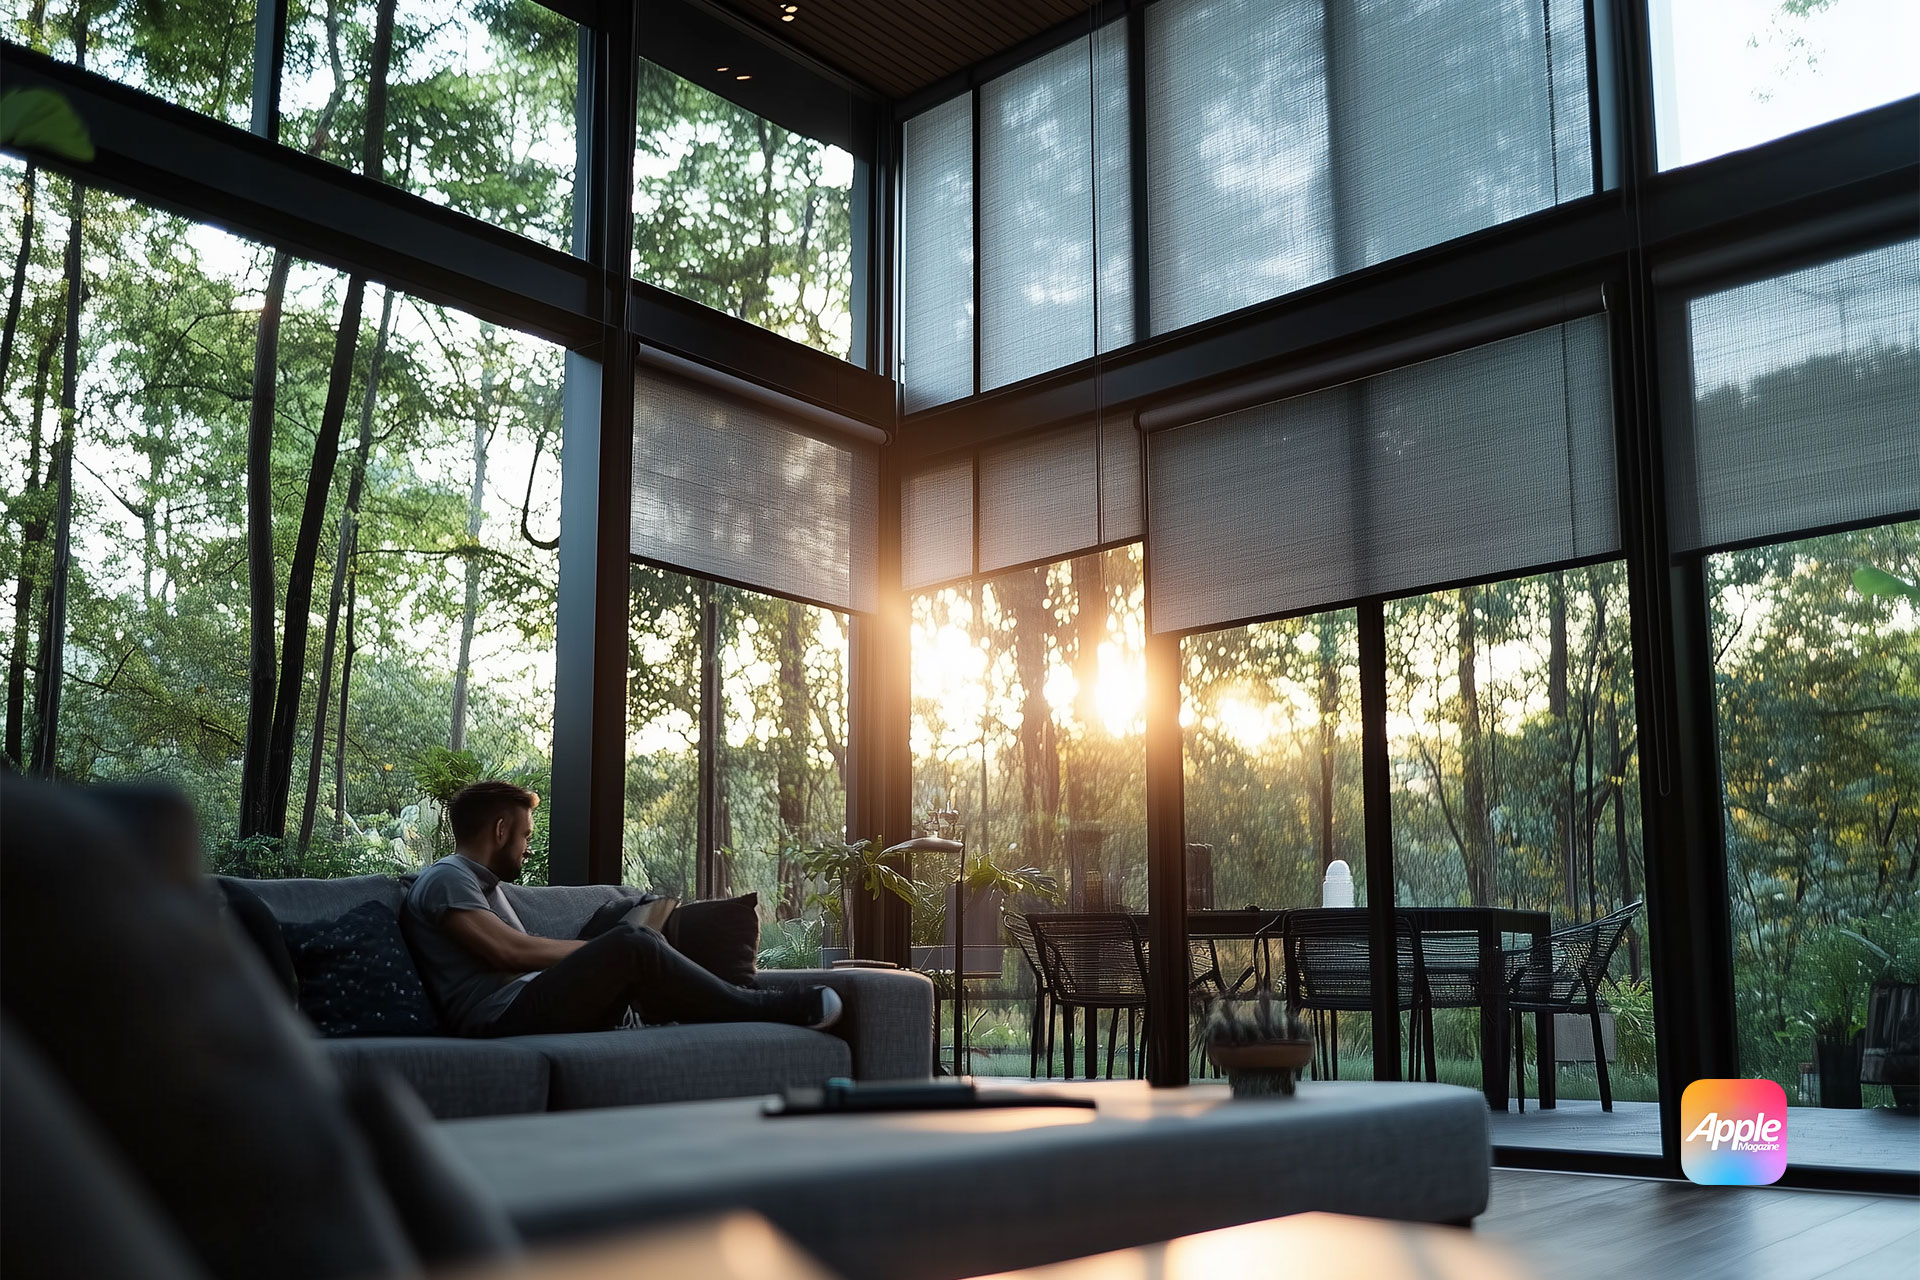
pixel 736 705
pixel 1028 697
pixel 742 215
pixel 197 55
pixel 406 582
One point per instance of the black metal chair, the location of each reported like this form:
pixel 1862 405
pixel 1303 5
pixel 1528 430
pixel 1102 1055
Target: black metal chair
pixel 1329 957
pixel 1041 1025
pixel 1205 984
pixel 1450 960
pixel 1562 975
pixel 1094 961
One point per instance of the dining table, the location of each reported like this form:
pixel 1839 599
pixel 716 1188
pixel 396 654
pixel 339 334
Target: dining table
pixel 1491 926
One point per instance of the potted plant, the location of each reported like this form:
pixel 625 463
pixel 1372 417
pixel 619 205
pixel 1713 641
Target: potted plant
pixel 1835 974
pixel 857 867
pixel 1260 1045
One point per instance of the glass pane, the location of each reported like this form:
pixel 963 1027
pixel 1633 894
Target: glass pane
pixel 479 100
pixel 1029 725
pixel 1730 74
pixel 1292 143
pixel 661 849
pixel 936 255
pixel 735 212
pixel 1271 715
pixel 1817 682
pixel 1515 767
pixel 427 641
pixel 783 672
pixel 198 56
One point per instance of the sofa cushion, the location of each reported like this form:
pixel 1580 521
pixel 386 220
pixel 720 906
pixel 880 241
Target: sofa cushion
pixel 297 901
pixel 256 922
pixel 684 1063
pixel 721 935
pixel 454 1077
pixel 561 910
pixel 175 1044
pixel 357 976
pixel 451 1216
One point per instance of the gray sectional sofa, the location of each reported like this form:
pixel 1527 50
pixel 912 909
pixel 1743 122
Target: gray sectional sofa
pixel 886 1032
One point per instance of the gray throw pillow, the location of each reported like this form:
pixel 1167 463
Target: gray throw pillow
pixel 450 1215
pixel 176 1046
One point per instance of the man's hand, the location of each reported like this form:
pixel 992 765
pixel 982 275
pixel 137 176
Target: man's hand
pixel 501 946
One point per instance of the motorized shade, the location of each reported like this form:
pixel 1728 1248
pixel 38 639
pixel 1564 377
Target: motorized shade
pixel 1289 143
pixel 1479 464
pixel 1056 243
pixel 937 245
pixel 1798 404
pixel 729 490
pixel 1042 498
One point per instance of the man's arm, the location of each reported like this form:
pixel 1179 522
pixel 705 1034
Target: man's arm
pixel 501 946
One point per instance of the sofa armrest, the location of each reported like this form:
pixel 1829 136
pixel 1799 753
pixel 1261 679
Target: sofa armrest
pixel 888 1017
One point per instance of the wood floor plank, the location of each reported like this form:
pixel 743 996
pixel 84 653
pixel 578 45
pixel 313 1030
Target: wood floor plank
pixel 1586 1227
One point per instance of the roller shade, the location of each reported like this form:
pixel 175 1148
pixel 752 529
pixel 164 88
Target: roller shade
pixel 1289 143
pixel 1056 241
pixel 937 246
pixel 1475 465
pixel 936 524
pixel 1799 407
pixel 1040 499
pixel 728 490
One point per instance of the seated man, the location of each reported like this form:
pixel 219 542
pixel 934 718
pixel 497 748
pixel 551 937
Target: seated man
pixel 490 977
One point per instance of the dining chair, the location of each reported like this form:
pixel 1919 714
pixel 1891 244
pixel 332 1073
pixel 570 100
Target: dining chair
pixel 1563 976
pixel 1041 1023
pixel 1094 961
pixel 1450 961
pixel 1329 959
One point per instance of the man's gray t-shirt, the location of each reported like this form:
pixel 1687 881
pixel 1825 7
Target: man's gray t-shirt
pixel 470 995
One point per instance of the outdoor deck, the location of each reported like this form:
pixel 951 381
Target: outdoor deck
pixel 1875 1138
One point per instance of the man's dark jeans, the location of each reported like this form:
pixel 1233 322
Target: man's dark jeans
pixel 629 967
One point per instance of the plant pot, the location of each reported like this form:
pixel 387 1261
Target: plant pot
pixel 1839 1065
pixel 1891 1052
pixel 1261 1070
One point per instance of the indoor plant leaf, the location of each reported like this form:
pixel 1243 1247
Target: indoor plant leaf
pixel 41 119
pixel 1869 581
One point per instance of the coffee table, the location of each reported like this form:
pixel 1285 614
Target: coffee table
pixel 940 1195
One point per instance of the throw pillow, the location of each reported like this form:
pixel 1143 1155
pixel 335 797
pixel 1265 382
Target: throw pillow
pixel 450 1215
pixel 721 935
pixel 357 977
pixel 180 1052
pixel 256 920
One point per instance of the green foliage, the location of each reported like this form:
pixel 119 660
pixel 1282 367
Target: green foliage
pixel 1632 1006
pixel 1262 1020
pixel 1869 581
pixel 42 120
pixel 796 944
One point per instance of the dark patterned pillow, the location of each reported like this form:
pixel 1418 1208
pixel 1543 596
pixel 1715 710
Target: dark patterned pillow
pixel 357 977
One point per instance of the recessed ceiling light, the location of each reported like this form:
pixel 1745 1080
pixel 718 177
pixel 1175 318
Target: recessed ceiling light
pixel 786 17
pixel 723 68
pixel 743 77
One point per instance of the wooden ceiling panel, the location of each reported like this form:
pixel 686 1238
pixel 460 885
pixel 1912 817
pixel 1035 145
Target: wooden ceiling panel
pixel 899 47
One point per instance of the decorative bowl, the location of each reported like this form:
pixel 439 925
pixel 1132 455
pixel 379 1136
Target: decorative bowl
pixel 1262 1070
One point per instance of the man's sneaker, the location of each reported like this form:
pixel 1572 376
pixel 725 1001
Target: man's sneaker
pixel 825 1008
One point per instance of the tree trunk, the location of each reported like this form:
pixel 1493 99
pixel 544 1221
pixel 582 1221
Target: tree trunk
pixel 298 618
pixel 33 532
pixel 1475 820
pixel 297 621
pixel 1565 799
pixel 349 518
pixel 1089 630
pixel 1327 625
pixel 46 743
pixel 1022 595
pixel 457 738
pixel 346 685
pixel 790 755
pixel 19 289
pixel 261 587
